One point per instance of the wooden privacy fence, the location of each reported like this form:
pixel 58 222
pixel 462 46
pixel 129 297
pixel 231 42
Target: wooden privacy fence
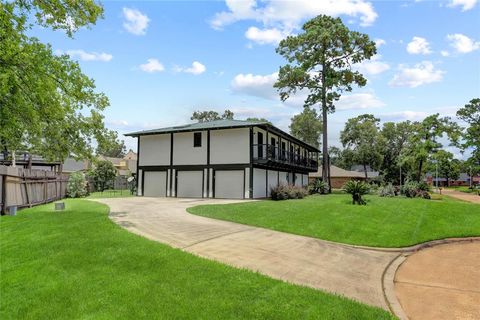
pixel 29 187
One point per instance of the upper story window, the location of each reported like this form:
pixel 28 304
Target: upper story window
pixel 197 139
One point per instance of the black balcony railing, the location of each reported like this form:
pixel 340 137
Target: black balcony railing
pixel 267 153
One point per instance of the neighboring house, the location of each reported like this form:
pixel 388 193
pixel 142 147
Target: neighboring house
pixel 29 161
pixel 338 176
pixel 371 174
pixel 221 159
pixel 124 166
pixel 462 180
pixel 71 165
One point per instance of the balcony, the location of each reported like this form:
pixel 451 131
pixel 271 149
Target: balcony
pixel 274 156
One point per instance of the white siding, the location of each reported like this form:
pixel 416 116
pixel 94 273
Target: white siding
pixel 185 153
pixel 247 183
pixel 229 146
pixel 139 186
pixel 305 180
pixel 272 180
pixel 298 179
pixel 155 150
pixel 259 183
pixel 283 178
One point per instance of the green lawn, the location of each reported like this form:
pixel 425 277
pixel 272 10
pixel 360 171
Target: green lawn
pixel 463 189
pixel 77 264
pixel 110 194
pixel 383 222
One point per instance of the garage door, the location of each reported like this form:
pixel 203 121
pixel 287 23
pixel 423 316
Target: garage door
pixel 229 184
pixel 189 184
pixel 155 184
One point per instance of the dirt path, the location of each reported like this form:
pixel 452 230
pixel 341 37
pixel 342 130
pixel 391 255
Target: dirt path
pixel 470 197
pixel 442 282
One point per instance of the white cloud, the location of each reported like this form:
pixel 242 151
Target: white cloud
pixel 135 21
pixel 380 42
pixel 88 56
pixel 289 14
pixel 152 65
pixel 255 85
pixel 420 74
pixel 419 45
pixel 265 36
pixel 373 66
pixel 462 44
pixel 196 68
pixel 444 53
pixel 465 4
pixel 359 101
pixel 404 115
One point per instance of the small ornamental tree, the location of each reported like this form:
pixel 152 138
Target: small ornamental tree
pixel 357 189
pixel 77 185
pixel 103 175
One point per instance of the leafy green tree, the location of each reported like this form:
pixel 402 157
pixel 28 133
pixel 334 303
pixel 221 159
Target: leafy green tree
pixel 258 120
pixel 470 113
pixel 320 63
pixel 395 139
pixel 110 146
pixel 210 115
pixel 361 136
pixel 103 175
pixel 48 106
pixel 423 142
pixel 448 167
pixel 307 126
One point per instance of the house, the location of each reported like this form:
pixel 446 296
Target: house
pixel 371 174
pixel 221 159
pixel 125 166
pixel 462 180
pixel 338 176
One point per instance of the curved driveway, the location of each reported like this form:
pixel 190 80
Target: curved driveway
pixel 342 269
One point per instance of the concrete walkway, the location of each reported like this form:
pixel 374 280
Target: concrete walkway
pixel 342 269
pixel 470 197
pixel 442 282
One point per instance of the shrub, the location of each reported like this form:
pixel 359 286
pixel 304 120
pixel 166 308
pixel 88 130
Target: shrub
pixel 357 189
pixel 77 185
pixel 387 190
pixel 103 175
pixel 409 189
pixel 284 192
pixel 318 186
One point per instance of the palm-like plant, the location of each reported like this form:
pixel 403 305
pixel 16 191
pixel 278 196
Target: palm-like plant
pixel 357 189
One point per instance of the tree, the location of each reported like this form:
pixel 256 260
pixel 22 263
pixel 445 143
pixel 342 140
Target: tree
pixel 448 167
pixel 320 62
pixel 253 119
pixel 205 116
pixel 470 113
pixel 48 106
pixel 103 175
pixel 307 126
pixel 361 136
pixel 110 146
pixel 423 141
pixel 395 139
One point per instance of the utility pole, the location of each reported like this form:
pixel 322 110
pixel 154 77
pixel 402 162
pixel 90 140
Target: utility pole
pixel 436 173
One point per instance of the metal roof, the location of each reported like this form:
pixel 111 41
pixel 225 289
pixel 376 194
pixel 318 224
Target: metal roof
pixel 218 124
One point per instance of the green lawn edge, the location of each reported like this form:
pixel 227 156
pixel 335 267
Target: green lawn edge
pixel 383 223
pixel 79 264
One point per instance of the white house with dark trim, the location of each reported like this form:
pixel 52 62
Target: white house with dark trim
pixel 220 159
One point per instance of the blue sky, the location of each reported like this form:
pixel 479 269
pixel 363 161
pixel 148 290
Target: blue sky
pixel 159 61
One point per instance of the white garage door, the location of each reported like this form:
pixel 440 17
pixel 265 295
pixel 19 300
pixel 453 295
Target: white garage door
pixel 229 184
pixel 189 184
pixel 155 184
pixel 283 180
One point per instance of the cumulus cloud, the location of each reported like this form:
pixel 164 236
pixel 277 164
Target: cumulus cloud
pixel 196 68
pixel 88 56
pixel 359 101
pixel 419 45
pixel 255 85
pixel 465 4
pixel 373 66
pixel 404 115
pixel 462 44
pixel 380 42
pixel 152 65
pixel 420 74
pixel 444 53
pixel 265 36
pixel 135 21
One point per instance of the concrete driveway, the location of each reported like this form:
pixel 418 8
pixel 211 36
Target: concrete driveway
pixel 353 272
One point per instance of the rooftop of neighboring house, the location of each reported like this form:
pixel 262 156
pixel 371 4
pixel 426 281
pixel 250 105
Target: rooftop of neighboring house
pixel 370 172
pixel 336 172
pixel 220 124
pixel 462 177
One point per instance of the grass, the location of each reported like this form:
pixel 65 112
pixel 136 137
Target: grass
pixel 383 222
pixel 110 194
pixel 77 264
pixel 463 189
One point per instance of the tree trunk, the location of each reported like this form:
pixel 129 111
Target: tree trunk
pixel 325 164
pixel 365 171
pixel 419 173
